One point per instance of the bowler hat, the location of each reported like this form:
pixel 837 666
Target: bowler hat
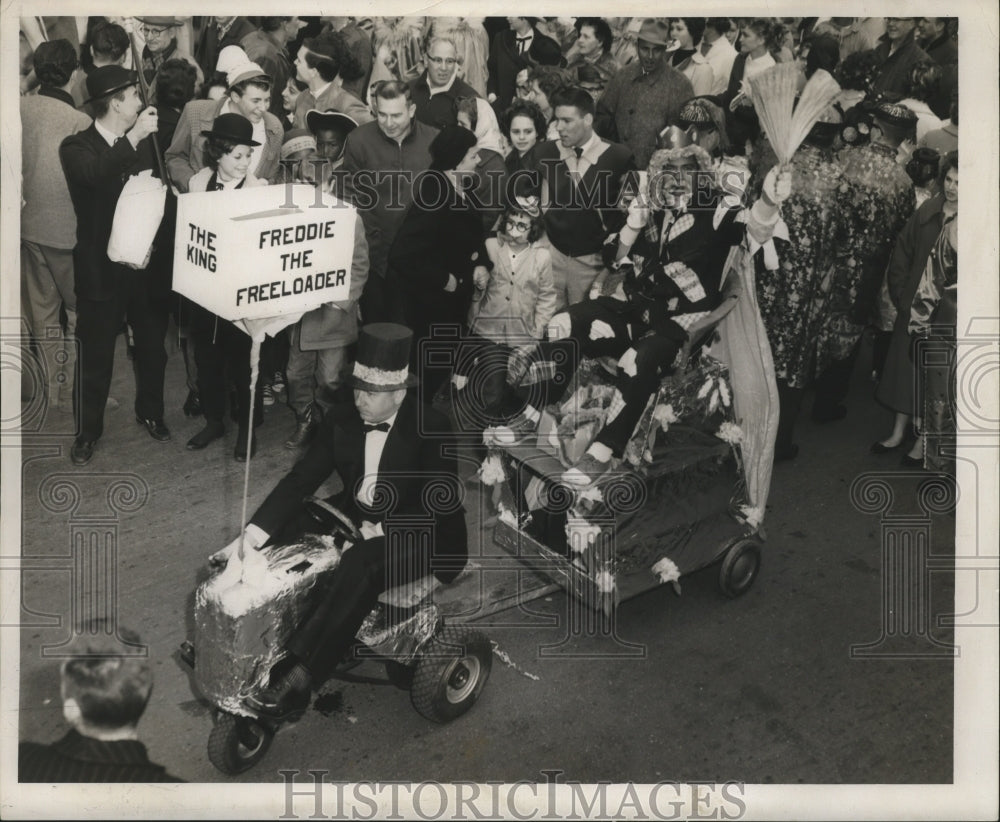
pixel 106 80
pixel 233 127
pixel 654 32
pixel 316 119
pixel 383 360
pixel 162 22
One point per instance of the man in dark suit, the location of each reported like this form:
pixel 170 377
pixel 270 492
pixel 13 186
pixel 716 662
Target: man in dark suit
pixel 392 457
pixel 216 34
pixel 105 686
pixel 512 50
pixel 582 178
pixel 97 163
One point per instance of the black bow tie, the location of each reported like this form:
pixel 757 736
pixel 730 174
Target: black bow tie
pixel 525 38
pixel 379 426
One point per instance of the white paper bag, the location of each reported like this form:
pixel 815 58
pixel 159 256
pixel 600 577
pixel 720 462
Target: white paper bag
pixel 137 219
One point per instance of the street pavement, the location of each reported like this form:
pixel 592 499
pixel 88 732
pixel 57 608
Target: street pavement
pixel 759 689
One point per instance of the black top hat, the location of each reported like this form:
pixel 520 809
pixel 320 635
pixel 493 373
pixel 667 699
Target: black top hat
pixel 233 127
pixel 106 80
pixel 383 361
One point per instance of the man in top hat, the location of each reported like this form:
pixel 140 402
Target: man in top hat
pixel 883 198
pixel 96 163
pixel 249 94
pixel 388 451
pixel 160 34
pixel 324 63
pixel 644 96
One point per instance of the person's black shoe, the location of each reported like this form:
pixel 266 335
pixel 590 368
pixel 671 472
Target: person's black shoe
pixel 240 452
pixel 286 697
pixel 157 428
pixel 279 703
pixel 81 452
pixel 192 405
pixel 305 427
pixel 831 413
pixel 211 431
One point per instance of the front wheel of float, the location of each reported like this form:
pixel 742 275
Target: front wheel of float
pixel 740 566
pixel 450 673
pixel 237 743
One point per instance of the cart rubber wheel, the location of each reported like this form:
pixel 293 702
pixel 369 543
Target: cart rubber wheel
pixel 739 567
pixel 399 674
pixel 451 672
pixel 237 743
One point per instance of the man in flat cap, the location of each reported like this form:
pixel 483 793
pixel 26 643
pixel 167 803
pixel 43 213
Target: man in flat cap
pixel 97 163
pixel 644 96
pixel 160 34
pixel 249 94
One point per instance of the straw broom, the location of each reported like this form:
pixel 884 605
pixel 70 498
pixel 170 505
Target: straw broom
pixel 785 123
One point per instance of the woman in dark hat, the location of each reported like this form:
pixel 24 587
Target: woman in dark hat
pixel 220 346
pixel 438 248
pixel 228 147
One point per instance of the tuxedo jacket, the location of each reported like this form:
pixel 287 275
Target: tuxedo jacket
pixel 96 174
pixel 418 463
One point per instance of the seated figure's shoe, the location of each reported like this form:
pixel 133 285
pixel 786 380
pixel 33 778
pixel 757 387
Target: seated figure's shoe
pixel 586 472
pixel 286 697
pixel 280 702
pixel 516 430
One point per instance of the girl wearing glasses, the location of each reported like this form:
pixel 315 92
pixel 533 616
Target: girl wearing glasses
pixel 511 309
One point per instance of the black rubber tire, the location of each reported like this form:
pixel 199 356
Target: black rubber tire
pixel 399 674
pixel 237 743
pixel 740 567
pixel 451 672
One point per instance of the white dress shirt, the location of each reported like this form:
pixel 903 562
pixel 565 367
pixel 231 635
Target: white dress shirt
pixel 374 446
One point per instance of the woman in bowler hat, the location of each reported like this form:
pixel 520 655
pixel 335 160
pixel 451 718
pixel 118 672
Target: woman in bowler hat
pixel 219 345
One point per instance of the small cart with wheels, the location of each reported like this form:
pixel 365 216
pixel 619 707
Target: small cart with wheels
pixel 675 503
pixel 245 614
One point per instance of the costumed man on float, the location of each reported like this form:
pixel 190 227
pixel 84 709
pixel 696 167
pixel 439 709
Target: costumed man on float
pixel 388 452
pixel 672 251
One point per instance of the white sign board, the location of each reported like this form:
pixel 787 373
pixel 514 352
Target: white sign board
pixel 249 253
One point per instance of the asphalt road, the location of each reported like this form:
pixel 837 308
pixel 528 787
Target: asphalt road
pixel 760 689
